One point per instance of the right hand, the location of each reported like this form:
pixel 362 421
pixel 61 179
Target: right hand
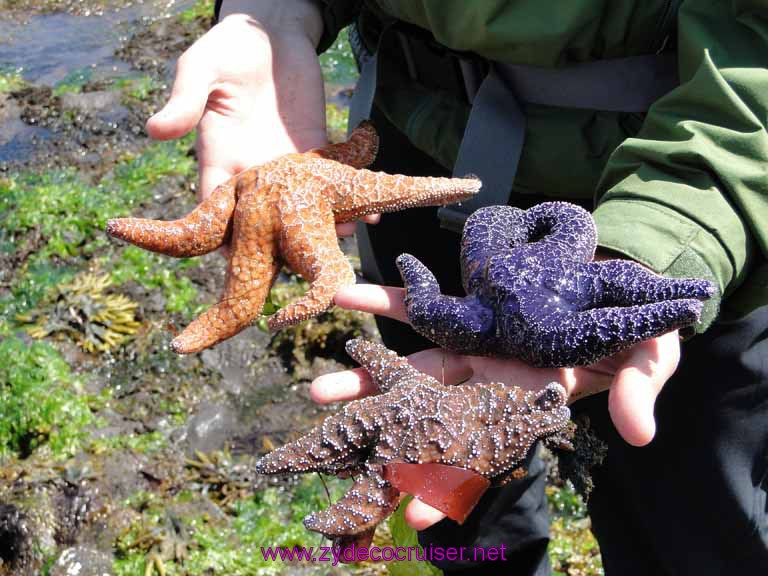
pixel 633 377
pixel 252 86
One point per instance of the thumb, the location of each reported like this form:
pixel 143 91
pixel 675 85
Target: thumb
pixel 638 382
pixel 630 403
pixel 186 105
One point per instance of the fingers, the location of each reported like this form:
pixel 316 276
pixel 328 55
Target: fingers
pixel 209 178
pixel 638 382
pixel 348 228
pixel 345 229
pixel 341 386
pixel 189 97
pixel 380 300
pixel 420 516
pixel 446 367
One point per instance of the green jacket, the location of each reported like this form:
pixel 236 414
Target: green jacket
pixel 683 189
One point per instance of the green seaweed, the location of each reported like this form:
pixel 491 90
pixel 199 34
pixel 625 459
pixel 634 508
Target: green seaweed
pixel 141 443
pixel 336 121
pixel 231 546
pixel 68 213
pixel 10 80
pixel 156 272
pixel 73 82
pixel 51 221
pixel 201 10
pixel 137 88
pixel 35 281
pixel 405 536
pixel 573 549
pixel 338 62
pixel 85 311
pixel 40 400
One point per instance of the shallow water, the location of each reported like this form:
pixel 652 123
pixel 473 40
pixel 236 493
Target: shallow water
pixel 55 49
pixel 50 47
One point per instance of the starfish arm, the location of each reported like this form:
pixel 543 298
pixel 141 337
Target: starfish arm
pixel 337 444
pixel 365 505
pixel 529 416
pixel 559 230
pixel 359 151
pixel 386 368
pixel 461 324
pixel 581 338
pixel 626 283
pixel 230 316
pixel 309 244
pixel 253 267
pixel 488 231
pixel 202 231
pixel 357 193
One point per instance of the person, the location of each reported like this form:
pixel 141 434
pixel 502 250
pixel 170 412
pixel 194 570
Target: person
pixel 680 188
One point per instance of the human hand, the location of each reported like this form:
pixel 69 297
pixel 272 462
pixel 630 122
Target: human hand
pixel 633 377
pixel 252 86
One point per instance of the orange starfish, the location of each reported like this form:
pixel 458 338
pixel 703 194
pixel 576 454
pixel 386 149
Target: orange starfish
pixel 285 211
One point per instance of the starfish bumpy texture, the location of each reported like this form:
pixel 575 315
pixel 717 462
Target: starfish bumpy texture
pixel 485 428
pixel 284 211
pixel 534 293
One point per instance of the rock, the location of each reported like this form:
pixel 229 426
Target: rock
pixel 99 101
pixel 83 561
pixel 234 359
pixel 210 428
pixel 16 553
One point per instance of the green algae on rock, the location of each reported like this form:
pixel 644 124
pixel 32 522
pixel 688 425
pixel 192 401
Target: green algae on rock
pixel 40 400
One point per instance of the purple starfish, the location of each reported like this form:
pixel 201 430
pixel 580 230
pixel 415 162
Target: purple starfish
pixel 534 293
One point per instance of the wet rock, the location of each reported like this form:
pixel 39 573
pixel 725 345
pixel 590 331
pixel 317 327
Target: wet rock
pixel 210 428
pixel 103 102
pixel 16 554
pixel 152 47
pixel 9 112
pixel 56 135
pixel 35 518
pixel 119 474
pixel 116 426
pixel 234 358
pixel 83 561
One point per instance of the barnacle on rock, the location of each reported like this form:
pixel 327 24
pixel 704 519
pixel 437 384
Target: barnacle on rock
pixel 84 311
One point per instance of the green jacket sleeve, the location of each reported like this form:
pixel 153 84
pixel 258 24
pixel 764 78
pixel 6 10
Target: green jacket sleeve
pixel 689 195
pixel 336 15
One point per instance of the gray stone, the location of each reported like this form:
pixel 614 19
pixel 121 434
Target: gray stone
pixel 83 561
pixel 210 428
pixel 98 101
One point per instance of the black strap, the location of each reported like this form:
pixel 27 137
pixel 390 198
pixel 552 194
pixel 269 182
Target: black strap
pixel 494 135
pixel 360 109
pixel 361 104
pixel 490 149
pixel 619 85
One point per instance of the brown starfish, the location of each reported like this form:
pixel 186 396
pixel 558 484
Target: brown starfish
pixel 285 211
pixel 487 429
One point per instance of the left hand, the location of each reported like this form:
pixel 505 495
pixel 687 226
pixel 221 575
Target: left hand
pixel 633 378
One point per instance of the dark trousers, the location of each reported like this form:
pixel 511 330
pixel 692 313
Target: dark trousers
pixel 693 502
